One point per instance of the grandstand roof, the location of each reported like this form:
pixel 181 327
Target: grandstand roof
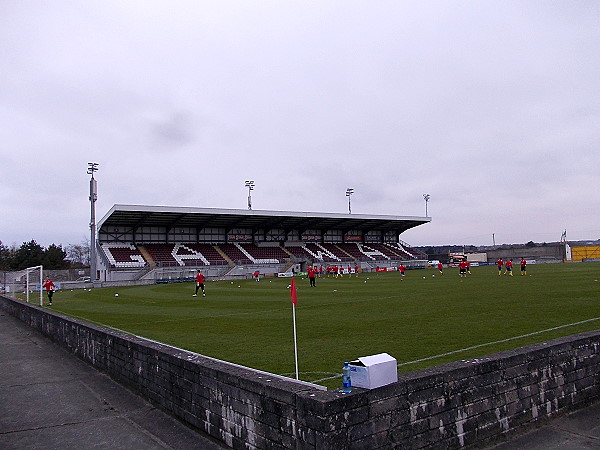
pixel 168 216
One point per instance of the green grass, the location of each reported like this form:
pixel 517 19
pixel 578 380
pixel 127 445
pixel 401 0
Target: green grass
pixel 341 319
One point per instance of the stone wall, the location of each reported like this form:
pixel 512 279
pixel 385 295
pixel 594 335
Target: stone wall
pixel 463 404
pixel 551 252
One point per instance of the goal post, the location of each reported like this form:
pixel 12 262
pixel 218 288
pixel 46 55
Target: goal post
pixel 31 275
pixel 22 283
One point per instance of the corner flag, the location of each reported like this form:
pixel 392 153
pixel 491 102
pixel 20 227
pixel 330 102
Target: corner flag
pixel 294 303
pixel 293 293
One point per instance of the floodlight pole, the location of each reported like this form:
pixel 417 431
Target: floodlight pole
pixel 349 193
pixel 250 185
pixel 426 197
pixel 93 167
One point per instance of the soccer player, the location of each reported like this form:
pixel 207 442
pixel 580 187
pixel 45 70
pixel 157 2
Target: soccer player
pixel 49 285
pixel 441 268
pixel 500 263
pixel 199 284
pixel 509 265
pixel 462 268
pixel 402 268
pixel 256 275
pixel 311 276
pixel 356 270
pixel 523 266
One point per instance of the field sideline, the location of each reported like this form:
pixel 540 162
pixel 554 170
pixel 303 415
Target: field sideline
pixel 422 320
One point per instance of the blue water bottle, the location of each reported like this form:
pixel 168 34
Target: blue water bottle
pixel 346 384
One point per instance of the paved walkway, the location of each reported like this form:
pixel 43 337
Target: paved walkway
pixel 576 431
pixel 52 400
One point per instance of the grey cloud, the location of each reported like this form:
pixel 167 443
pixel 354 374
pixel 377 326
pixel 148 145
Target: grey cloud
pixel 174 131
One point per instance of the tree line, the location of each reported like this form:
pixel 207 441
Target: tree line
pixel 30 254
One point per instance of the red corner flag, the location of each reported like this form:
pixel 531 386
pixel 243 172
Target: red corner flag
pixel 293 293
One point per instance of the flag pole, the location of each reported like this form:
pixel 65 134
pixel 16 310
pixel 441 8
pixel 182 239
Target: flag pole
pixel 295 342
pixel 294 296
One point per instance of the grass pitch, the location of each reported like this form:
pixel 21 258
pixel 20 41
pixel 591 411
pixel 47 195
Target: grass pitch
pixel 422 320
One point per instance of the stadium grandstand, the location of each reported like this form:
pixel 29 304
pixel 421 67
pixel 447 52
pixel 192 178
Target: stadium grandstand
pixel 171 243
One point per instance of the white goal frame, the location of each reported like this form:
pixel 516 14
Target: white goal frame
pixel 27 272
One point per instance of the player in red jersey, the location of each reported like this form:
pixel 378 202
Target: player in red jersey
pixel 499 263
pixel 440 267
pixel 508 266
pixel 49 286
pixel 462 268
pixel 311 276
pixel 523 266
pixel 356 270
pixel 402 268
pixel 199 284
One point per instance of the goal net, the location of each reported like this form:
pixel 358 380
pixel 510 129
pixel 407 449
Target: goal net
pixel 26 284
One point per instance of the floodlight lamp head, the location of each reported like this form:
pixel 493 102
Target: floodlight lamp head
pixel 92 167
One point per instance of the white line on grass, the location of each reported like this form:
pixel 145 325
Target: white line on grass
pixel 203 317
pixel 453 352
pixel 497 342
pixel 248 313
pixel 292 374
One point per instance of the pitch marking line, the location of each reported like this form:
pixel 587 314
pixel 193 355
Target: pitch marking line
pixel 453 352
pixel 497 342
pixel 244 313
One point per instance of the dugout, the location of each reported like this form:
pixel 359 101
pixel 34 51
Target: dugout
pixel 136 242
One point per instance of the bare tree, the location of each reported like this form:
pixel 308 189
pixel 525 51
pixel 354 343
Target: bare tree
pixel 79 254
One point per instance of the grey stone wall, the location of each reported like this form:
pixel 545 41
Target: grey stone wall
pixel 553 252
pixel 463 404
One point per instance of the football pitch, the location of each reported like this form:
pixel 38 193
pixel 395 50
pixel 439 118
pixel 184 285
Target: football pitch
pixel 422 319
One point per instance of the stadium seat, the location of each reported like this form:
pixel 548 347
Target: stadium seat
pixel 123 255
pixel 260 254
pixel 235 254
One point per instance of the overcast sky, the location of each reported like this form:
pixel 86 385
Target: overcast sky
pixel 492 108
